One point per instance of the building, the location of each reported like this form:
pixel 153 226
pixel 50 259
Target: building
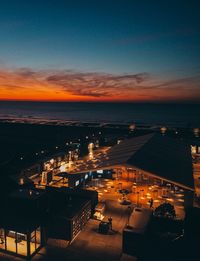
pixel 31 216
pixel 68 212
pixel 153 159
pixel 21 223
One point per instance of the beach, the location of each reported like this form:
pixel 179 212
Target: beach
pixel 25 142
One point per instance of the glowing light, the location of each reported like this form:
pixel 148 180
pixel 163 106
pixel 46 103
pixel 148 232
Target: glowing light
pixel 63 168
pixel 170 199
pixel 180 200
pixel 132 127
pixel 52 161
pixel 163 130
pixel 196 132
pixel 90 148
pixel 21 181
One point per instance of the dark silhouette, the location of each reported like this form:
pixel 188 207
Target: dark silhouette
pixel 110 222
pixel 165 210
pixel 151 203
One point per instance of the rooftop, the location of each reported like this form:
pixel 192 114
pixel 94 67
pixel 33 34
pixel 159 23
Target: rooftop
pixel 26 194
pixel 164 157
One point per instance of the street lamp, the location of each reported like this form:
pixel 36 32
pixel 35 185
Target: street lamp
pixel 90 148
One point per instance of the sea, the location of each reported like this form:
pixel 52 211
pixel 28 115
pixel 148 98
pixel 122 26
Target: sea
pixel 144 114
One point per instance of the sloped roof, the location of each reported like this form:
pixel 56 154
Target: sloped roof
pixel 162 156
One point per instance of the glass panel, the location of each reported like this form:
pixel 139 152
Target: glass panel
pixel 2 238
pixel 38 237
pixel 35 240
pixel 16 242
pixel 21 240
pixel 11 241
pixel 32 242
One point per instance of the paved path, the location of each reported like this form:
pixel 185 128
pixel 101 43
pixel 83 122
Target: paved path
pixel 89 244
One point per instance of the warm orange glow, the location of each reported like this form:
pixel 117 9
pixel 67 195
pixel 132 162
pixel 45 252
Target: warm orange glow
pixel 30 85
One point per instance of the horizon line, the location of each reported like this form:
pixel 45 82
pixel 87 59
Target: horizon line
pixel 104 101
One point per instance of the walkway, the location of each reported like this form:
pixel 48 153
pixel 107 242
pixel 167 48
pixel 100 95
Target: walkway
pixel 89 244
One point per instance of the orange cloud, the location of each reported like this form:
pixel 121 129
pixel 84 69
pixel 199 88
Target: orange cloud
pixel 63 85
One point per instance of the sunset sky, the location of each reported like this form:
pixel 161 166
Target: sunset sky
pixel 92 50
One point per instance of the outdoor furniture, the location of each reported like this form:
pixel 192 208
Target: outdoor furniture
pixel 103 227
pixel 124 201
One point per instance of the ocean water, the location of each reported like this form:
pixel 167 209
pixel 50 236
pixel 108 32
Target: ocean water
pixel 177 115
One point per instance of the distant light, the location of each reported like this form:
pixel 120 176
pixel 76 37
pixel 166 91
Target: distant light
pixel 196 132
pixel 86 137
pixel 51 161
pixel 100 132
pixel 21 158
pixel 42 151
pixel 21 181
pixel 63 168
pixel 56 147
pixel 163 129
pixel 36 153
pixel 67 143
pixel 91 145
pixel 132 127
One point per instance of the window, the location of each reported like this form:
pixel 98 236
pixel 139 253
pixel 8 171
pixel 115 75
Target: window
pixel 35 240
pixel 11 241
pixel 32 242
pixel 16 242
pixel 21 241
pixel 2 238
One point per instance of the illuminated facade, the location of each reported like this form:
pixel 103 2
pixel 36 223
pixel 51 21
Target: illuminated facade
pixel 21 230
pixel 20 242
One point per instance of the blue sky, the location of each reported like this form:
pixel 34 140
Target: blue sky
pixel 161 38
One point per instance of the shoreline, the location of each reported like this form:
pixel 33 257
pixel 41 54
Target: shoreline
pixel 99 123
pixel 103 114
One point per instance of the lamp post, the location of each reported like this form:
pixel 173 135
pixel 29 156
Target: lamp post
pixel 90 149
pixel 70 160
pixel 138 196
